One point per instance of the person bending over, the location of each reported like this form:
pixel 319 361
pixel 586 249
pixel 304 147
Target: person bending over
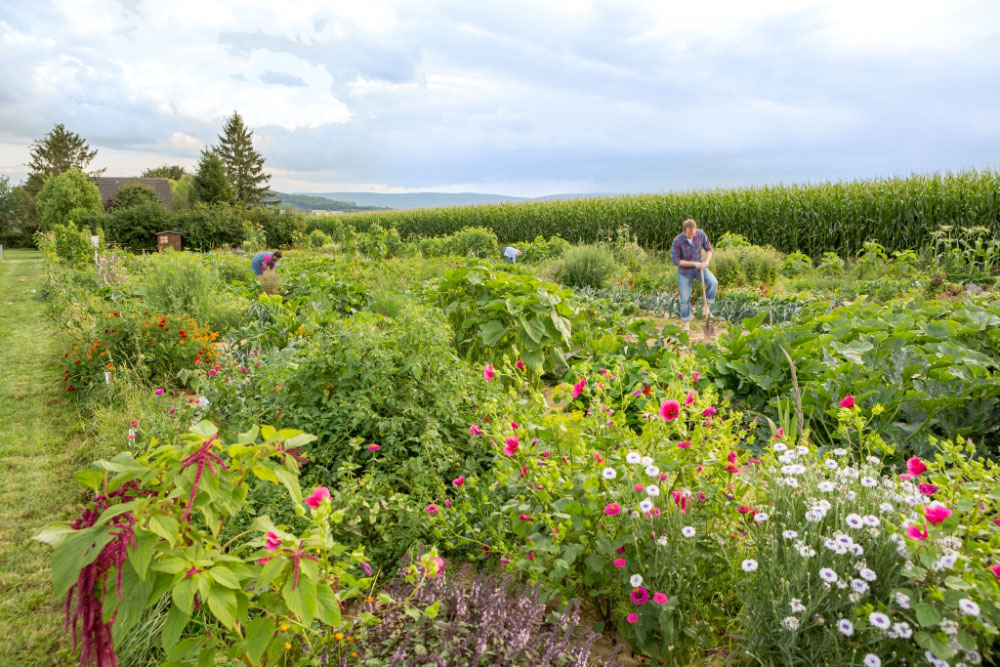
pixel 264 261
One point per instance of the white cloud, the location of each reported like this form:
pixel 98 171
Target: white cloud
pixel 185 142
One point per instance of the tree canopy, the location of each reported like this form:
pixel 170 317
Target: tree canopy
pixel 211 183
pixel 68 196
pixel 57 152
pixel 243 162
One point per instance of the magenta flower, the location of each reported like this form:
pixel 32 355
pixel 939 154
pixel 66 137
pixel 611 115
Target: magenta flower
pixel 995 569
pixel 709 411
pixel 915 533
pixel 847 402
pixel 488 372
pixel 504 560
pixel 695 375
pixel 171 411
pixel 660 598
pixel 732 456
pixel 690 397
pixel 579 387
pixel 684 444
pixel 598 457
pixel 513 425
pixel 525 517
pixel 935 513
pixel 273 542
pixel 432 509
pixel 927 489
pixel 367 568
pixel 780 433
pixel 520 365
pixel 458 481
pixel 639 487
pixel 511 446
pixel 159 392
pixel 373 447
pixel 545 455
pixel 670 410
pixel 475 430
pixel 733 469
pixel 134 423
pixel 447 503
pixel 620 562
pixel 915 466
pixel 612 509
pixel 632 618
pixel 640 596
pixel 319 494
pixel 680 499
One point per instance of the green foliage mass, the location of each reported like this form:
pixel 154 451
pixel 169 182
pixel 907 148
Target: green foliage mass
pixel 67 197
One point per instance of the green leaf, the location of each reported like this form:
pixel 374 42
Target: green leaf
pixel 174 626
pixel 291 482
pixel 433 609
pixel 90 478
pixel 299 440
pixel 183 594
pixel 259 633
pixel 74 553
pixel 224 576
pixel 327 606
pixel 54 533
pixel 927 615
pixel 491 332
pixel 165 526
pixel 301 600
pixel 142 554
pixel 270 571
pixel 534 329
pixel 222 602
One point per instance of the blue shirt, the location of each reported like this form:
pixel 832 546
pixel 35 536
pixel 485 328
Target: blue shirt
pixel 690 251
pixel 261 262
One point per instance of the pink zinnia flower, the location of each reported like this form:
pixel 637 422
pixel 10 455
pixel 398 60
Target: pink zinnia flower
pixel 701 497
pixel 531 555
pixel 927 489
pixel 620 550
pixel 690 397
pixel 935 513
pixel 695 375
pixel 458 481
pixel 681 501
pixel 915 466
pixel 598 457
pixel 319 494
pixel 640 596
pixel 511 446
pixel 620 562
pixel 579 387
pixel 995 569
pixel 171 411
pixel 670 410
pixel 373 447
pixel 732 456
pixel 905 477
pixel 780 433
pixel 159 392
pixel 733 469
pixel 915 533
pixel 432 509
pixel 545 455
pixel 475 430
pixel 660 598
pixel 684 444
pixel 488 372
pixel 520 365
pixel 709 411
pixel 632 618
pixel 639 487
pixel 611 509
pixel 273 542
pixel 847 402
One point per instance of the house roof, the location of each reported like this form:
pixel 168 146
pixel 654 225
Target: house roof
pixel 109 187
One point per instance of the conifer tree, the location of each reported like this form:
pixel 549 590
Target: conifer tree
pixel 244 163
pixel 57 152
pixel 211 182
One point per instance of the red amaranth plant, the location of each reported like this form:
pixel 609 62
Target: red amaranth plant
pixel 202 456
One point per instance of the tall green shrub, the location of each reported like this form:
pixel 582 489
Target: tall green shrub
pixel 587 266
pixel 66 197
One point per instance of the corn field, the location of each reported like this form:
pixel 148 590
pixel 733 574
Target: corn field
pixel 900 213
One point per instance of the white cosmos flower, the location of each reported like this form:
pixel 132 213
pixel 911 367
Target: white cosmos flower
pixel 761 517
pixel 749 565
pixel 840 451
pixel 875 461
pixel 646 505
pixel 872 660
pixel 646 461
pixel 827 487
pixel 801 450
pixel 973 657
pixel 949 626
pixel 851 495
pixel 901 630
pixel 854 520
pixel 635 580
pixel 968 607
pixel 790 482
pixel 609 473
pixel 779 447
pixel 845 627
pixel 879 620
pixel 787 457
pixel 860 587
pixel 903 600
pixel 815 515
pixel 869 482
pixel 805 550
pixel 789 534
pixel 791 623
pixel 662 540
pixel 687 531
pixel 653 471
pixel 831 464
pixel 652 490
pixel 868 574
pixel 793 469
pixel 885 508
pixel 856 550
pixel 828 575
pixel 797 606
pixel 633 457
pixel 871 520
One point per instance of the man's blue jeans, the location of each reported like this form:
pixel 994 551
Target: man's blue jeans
pixel 685 283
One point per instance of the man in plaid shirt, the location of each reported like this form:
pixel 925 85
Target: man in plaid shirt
pixel 686 253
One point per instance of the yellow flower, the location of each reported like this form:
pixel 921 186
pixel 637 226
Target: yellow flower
pixel 350 639
pixel 339 635
pixel 287 646
pixel 283 627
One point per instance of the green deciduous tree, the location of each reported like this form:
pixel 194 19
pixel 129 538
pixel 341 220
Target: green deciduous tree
pixel 68 196
pixel 211 183
pixel 136 226
pixel 172 171
pixel 183 192
pixel 132 195
pixel 243 162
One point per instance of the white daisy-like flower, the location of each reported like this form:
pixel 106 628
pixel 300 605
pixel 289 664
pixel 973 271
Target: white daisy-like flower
pixel 831 464
pixel 830 545
pixel 973 657
pixel 823 504
pixel 879 620
pixel 874 460
pixel 934 660
pixel 609 473
pixel 869 482
pixel 845 627
pixel 871 520
pixel 827 487
pixel 779 447
pixel 885 508
pixel 949 626
pixel 793 469
pixel 749 565
pixel 827 575
pixel 662 540
pixel 633 457
pixel 761 517
pixel 801 450
pixel 968 607
pixel 851 495
pixel 797 606
pixel 789 534
pixel 868 574
pixel 854 520
pixel 791 623
pixel 646 505
pixel 842 585
pixel 646 461
pixel 840 451
pixel 901 630
pixel 860 587
pixel 790 482
pixel 787 457
pixel 856 550
pixel 903 600
pixel 652 490
pixel 635 580
pixel 805 550
pixel 652 471
pixel 872 660
pixel 815 515
pixel 687 531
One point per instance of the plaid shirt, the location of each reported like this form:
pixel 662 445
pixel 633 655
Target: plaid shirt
pixel 689 251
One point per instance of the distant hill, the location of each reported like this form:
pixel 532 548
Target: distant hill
pixel 424 199
pixel 319 203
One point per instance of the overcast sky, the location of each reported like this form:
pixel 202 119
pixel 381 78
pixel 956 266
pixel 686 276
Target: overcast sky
pixel 524 98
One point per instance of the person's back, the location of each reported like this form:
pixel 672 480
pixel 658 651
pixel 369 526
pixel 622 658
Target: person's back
pixel 510 254
pixel 257 265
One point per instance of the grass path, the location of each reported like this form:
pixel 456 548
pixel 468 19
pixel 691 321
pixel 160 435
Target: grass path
pixel 40 434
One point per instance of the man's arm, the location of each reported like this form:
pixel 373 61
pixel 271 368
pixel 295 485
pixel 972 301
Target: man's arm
pixel 707 246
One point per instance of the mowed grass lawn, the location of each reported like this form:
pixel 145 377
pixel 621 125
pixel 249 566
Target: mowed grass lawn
pixel 40 434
